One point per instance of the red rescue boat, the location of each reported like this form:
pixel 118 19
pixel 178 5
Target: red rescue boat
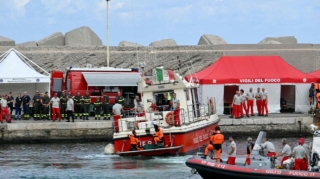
pixel 185 130
pixel 261 166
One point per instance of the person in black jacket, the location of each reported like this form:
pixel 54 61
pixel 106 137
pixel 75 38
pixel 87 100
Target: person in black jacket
pixel 311 94
pixel 18 107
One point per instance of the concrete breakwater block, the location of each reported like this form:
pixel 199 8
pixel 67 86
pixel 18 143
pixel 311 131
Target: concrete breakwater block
pixel 4 41
pixel 82 36
pixel 55 39
pixel 281 40
pixel 207 39
pixel 129 44
pixel 163 43
pixel 28 44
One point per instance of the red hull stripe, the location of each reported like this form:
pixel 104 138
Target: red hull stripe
pixel 231 168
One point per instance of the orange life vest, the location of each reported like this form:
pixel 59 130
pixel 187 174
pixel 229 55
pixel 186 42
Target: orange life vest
pixel 218 138
pixel 159 133
pixel 133 139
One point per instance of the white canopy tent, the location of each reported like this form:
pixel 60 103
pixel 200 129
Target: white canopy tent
pixel 18 75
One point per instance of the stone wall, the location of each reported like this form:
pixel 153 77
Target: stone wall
pixel 51 132
pixel 305 57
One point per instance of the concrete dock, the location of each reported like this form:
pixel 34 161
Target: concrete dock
pixel 30 131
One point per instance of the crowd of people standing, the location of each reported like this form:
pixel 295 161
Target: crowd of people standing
pixel 243 103
pixel 62 107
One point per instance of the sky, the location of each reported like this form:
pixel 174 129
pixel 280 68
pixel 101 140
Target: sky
pixel 145 21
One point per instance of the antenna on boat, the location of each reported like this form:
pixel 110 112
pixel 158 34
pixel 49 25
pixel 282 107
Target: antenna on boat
pixel 193 70
pixel 107 33
pixel 135 34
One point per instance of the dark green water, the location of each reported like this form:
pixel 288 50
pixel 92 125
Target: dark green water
pixel 87 160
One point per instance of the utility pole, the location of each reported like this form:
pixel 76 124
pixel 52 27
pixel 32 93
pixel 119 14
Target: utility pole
pixel 107 42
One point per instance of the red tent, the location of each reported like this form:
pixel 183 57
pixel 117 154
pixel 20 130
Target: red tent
pixel 251 69
pixel 316 74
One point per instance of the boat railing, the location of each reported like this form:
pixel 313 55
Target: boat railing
pixel 196 112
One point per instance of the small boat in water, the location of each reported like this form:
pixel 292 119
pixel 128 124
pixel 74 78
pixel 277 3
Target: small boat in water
pixel 197 120
pixel 261 166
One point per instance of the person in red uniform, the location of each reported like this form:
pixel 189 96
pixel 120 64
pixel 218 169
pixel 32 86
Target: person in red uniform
pixel 236 103
pixel 135 144
pixel 264 106
pixel 243 104
pixel 217 142
pixel 4 109
pixel 258 97
pixel 232 152
pixel 286 151
pixel 250 99
pixel 300 155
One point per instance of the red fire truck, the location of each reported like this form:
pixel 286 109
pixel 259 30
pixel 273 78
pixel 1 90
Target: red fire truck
pixel 98 81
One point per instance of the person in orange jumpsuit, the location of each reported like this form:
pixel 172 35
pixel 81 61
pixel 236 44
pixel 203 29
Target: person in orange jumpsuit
pixel 318 100
pixel 215 144
pixel 158 136
pixel 135 144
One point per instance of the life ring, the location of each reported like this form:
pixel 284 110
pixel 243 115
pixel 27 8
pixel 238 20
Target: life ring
pixel 169 118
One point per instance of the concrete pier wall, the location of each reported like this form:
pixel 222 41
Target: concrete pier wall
pixel 37 132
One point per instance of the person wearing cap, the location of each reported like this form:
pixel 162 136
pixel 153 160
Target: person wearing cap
pixel 45 106
pixel 269 146
pixel 216 142
pixel 232 150
pixel 286 151
pixel 158 136
pixel 4 109
pixel 63 104
pixel 86 100
pixel 300 156
pixel 70 109
pixel 25 102
pixel 105 106
pixel 250 146
pixel 36 106
pixel 55 101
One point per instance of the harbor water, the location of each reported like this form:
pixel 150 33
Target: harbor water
pixel 87 160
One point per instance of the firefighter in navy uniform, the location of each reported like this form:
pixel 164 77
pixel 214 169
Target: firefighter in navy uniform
pixel 45 106
pixel 37 105
pixel 106 110
pixel 86 106
pixel 97 108
pixel 120 100
pixel 77 107
pixel 63 107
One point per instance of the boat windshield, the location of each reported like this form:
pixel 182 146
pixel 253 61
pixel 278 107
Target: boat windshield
pixel 258 142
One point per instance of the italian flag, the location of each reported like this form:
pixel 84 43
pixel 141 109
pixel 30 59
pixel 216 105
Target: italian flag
pixel 164 75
